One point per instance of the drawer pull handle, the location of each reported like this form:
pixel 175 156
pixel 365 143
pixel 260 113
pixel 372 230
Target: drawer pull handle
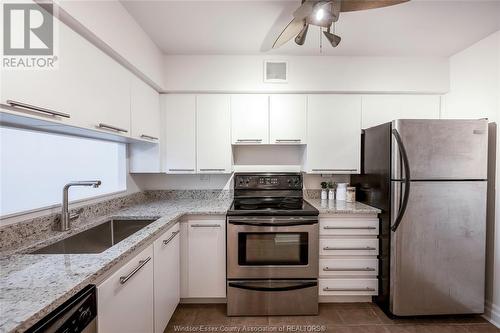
pixel 166 241
pixel 339 170
pixel 208 169
pixel 347 228
pixel 365 269
pixel 348 289
pixel 250 140
pixel 205 225
pixel 185 170
pixel 149 137
pixel 288 140
pixel 142 263
pixel 37 109
pixel 366 248
pixel 111 127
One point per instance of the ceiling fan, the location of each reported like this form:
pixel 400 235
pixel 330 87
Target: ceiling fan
pixel 324 14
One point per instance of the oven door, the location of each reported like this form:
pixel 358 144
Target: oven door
pixel 272 247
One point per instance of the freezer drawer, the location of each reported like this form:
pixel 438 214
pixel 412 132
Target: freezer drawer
pixel 272 297
pixel 438 250
pixel 442 149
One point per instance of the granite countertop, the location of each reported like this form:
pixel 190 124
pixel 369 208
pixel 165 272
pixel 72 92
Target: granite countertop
pixel 342 207
pixel 33 285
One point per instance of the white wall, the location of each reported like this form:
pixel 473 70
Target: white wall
pixel 119 35
pixel 306 74
pixel 475 93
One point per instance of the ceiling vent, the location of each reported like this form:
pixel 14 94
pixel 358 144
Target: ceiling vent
pixel 275 71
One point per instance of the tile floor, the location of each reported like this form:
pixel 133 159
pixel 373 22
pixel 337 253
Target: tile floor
pixel 333 318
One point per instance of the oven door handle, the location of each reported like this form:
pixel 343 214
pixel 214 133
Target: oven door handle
pixel 274 222
pixel 255 286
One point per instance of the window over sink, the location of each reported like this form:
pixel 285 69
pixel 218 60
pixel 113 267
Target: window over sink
pixel 34 166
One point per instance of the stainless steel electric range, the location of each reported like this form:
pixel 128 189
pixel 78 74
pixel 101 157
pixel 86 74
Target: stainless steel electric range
pixel 272 247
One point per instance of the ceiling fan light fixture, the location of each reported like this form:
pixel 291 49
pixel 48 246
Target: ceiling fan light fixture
pixel 320 13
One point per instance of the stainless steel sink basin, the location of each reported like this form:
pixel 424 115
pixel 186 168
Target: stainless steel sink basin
pixel 96 239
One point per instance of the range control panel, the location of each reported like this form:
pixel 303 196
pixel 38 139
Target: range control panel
pixel 285 181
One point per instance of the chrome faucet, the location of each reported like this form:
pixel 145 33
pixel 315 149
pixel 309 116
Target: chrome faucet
pixel 65 217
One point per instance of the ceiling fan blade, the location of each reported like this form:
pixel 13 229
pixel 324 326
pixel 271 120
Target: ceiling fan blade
pixel 301 37
pixel 354 5
pixel 332 38
pixel 290 31
pixel 305 9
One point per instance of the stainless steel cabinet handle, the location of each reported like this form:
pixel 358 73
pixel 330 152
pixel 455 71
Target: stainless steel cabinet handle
pixel 149 137
pixel 207 169
pixel 205 225
pixel 365 269
pixel 166 241
pixel 37 109
pixel 142 263
pixel 288 140
pixel 334 170
pixel 110 127
pixel 347 228
pixel 366 248
pixel 250 140
pixel 348 289
pixel 180 169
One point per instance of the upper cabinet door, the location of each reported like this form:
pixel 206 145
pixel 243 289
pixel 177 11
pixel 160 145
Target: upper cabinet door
pixel 379 109
pixel 213 139
pixel 180 145
pixel 333 134
pixel 287 119
pixel 145 111
pixel 250 119
pixel 87 85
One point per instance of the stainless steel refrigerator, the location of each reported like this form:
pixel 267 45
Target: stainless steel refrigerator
pixel 429 178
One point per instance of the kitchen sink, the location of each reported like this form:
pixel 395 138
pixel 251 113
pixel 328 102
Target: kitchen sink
pixel 96 239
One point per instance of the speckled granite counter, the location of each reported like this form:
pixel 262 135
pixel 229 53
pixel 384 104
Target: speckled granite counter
pixel 342 207
pixel 33 285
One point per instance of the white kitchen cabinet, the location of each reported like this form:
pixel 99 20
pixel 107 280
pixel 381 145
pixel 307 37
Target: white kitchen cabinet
pixel 333 134
pixel 287 119
pixel 379 109
pixel 205 259
pixel 144 111
pixel 87 85
pixel 250 119
pixel 166 277
pixel 213 134
pixel 125 299
pixel 180 133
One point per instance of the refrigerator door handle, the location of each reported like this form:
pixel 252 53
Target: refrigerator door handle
pixel 406 180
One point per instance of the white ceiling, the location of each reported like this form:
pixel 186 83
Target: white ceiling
pixel 416 28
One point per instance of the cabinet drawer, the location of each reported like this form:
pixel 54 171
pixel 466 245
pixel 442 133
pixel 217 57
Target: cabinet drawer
pixel 347 247
pixel 348 226
pixel 348 287
pixel 342 267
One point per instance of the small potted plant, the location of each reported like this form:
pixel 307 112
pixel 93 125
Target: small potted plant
pixel 324 190
pixel 331 191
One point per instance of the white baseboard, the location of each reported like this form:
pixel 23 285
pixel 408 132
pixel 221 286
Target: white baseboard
pixel 492 313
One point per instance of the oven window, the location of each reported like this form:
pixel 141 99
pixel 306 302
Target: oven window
pixel 272 248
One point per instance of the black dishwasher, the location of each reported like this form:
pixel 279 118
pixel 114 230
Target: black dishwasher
pixel 76 315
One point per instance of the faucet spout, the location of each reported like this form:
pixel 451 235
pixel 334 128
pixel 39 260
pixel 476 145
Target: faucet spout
pixel 65 218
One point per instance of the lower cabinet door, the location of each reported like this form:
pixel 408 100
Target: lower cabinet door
pixel 166 277
pixel 125 299
pixel 207 258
